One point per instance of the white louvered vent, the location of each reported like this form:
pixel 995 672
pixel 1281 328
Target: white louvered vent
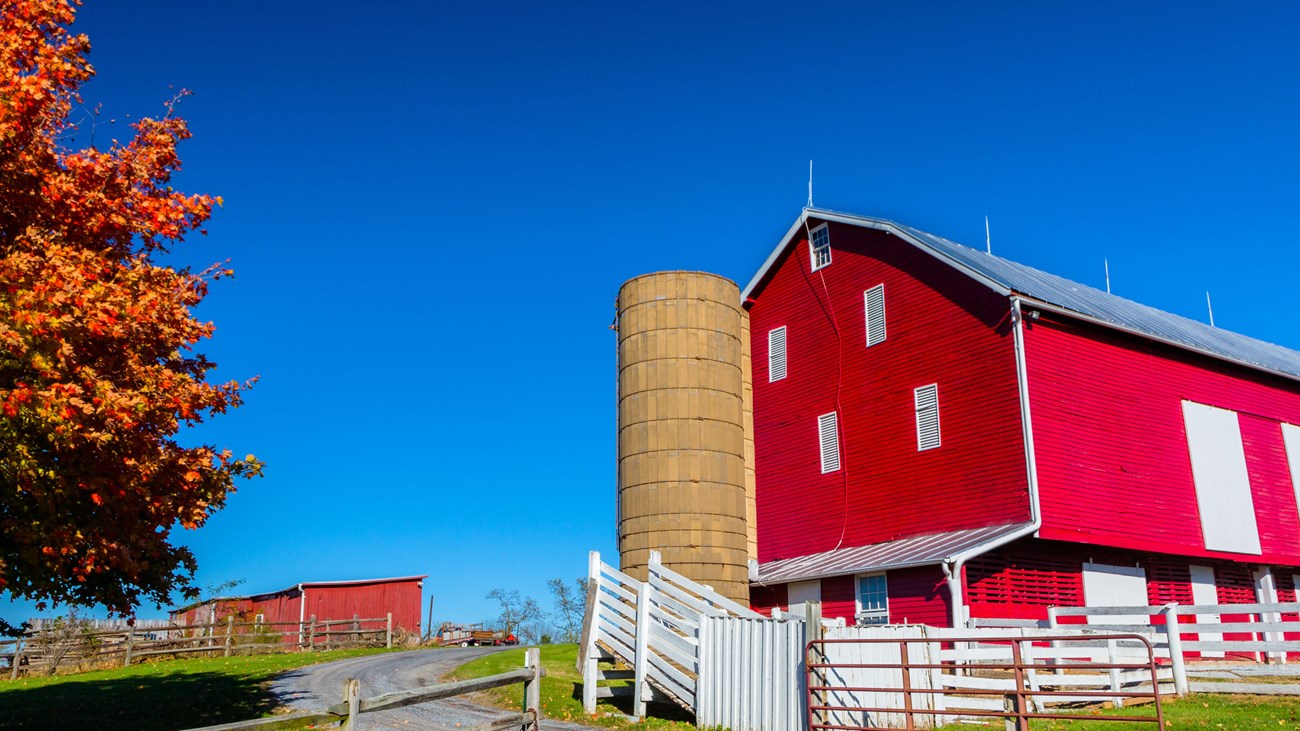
pixel 927 417
pixel 820 247
pixel 776 354
pixel 829 435
pixel 875 309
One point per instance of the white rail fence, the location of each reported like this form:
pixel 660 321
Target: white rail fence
pixel 753 671
pixel 1265 634
pixel 679 641
pixel 959 675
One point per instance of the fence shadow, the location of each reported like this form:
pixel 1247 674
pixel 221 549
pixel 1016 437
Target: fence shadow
pixel 138 703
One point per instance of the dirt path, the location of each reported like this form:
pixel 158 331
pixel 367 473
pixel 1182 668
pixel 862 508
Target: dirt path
pixel 316 686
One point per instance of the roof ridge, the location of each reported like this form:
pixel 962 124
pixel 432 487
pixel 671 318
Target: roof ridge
pixel 1014 278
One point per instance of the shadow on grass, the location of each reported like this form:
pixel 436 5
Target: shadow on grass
pixel 660 710
pixel 138 703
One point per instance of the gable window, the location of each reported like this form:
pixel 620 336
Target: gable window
pixel 820 247
pixel 927 417
pixel 873 599
pixel 874 306
pixel 776 354
pixel 829 436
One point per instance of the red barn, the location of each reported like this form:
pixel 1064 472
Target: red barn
pixel 327 600
pixel 942 433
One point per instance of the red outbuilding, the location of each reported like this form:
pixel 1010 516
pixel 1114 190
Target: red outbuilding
pixel 942 433
pixel 325 600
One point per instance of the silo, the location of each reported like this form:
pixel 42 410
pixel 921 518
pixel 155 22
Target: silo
pixel 681 438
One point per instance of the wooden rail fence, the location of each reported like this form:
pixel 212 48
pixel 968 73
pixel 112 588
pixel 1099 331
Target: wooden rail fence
pixel 49 648
pixel 352 705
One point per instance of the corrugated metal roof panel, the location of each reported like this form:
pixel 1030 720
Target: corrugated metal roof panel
pixel 1071 296
pixel 902 553
pixel 1116 310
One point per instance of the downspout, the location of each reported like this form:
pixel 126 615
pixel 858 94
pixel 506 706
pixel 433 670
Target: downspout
pixel 955 564
pixel 302 612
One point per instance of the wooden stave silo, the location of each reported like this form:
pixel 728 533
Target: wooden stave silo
pixel 682 476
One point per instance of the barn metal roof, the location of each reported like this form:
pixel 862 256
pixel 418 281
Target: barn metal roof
pixel 296 587
pixel 1060 294
pixel 902 553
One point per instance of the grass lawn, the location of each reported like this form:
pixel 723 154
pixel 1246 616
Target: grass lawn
pixel 166 695
pixel 562 691
pixel 1204 711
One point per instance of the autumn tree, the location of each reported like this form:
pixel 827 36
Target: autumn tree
pixel 98 372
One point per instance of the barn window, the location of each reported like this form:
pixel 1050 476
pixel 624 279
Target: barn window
pixel 874 307
pixel 927 417
pixel 259 619
pixel 1219 474
pixel 820 247
pixel 829 437
pixel 873 599
pixel 776 354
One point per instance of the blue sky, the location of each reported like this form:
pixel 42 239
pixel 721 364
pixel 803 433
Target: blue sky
pixel 430 208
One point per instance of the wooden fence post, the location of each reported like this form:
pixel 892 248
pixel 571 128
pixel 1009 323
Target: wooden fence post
pixel 18 658
pixel 356 629
pixel 1052 624
pixel 533 687
pixel 813 629
pixel 388 634
pixel 352 697
pixel 130 645
pixel 641 659
pixel 1174 639
pixel 1112 657
pixel 311 634
pixel 588 660
pixel 230 626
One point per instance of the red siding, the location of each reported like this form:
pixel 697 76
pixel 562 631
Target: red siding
pixel 1111 447
pixel 764 599
pixel 942 328
pixel 368 601
pixel 919 596
pixel 1022 580
pixel 839 598
pixel 327 602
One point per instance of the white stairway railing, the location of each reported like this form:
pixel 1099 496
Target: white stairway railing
pixel 651 626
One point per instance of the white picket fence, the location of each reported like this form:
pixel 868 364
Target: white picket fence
pixel 653 627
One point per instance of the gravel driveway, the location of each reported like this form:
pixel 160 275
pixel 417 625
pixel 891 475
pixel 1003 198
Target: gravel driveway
pixel 317 686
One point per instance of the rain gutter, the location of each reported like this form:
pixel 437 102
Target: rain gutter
pixel 954 565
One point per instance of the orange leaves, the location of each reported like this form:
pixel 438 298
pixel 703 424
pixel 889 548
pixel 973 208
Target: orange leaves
pixel 97 373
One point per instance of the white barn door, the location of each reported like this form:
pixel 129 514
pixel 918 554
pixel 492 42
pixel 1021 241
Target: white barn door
pixel 1115 586
pixel 799 592
pixel 1205 591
